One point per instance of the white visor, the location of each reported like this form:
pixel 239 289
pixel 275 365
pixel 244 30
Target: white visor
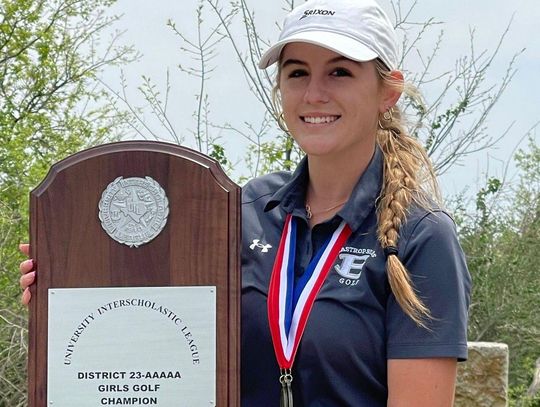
pixel 343 45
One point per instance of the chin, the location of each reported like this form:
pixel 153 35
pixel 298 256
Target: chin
pixel 317 149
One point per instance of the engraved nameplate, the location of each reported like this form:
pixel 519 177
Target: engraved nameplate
pixel 132 346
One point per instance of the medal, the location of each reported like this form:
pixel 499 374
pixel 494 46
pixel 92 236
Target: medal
pixel 290 302
pixel 285 379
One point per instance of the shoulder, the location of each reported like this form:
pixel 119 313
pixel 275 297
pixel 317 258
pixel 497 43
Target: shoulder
pixel 429 244
pixel 424 225
pixel 264 186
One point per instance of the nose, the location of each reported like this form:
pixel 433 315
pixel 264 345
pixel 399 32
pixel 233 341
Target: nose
pixel 315 91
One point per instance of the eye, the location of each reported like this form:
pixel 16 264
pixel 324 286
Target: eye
pixel 297 73
pixel 341 72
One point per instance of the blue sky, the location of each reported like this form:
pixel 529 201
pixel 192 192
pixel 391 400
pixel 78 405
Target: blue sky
pixel 145 27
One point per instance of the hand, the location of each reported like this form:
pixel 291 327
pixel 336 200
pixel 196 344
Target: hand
pixel 28 276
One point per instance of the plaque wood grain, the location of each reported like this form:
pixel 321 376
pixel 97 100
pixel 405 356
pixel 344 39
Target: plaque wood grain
pixel 198 246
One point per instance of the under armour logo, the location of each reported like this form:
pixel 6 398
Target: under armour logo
pixel 351 265
pixel 264 247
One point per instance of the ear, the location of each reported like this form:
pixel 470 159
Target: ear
pixel 391 91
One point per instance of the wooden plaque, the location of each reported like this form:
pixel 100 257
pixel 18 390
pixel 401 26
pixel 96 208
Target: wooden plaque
pixel 198 245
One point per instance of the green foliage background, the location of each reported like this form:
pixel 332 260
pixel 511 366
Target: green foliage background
pixel 501 240
pixel 48 68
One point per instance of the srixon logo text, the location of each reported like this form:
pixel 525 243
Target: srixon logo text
pixel 317 12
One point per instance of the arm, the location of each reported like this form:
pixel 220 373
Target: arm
pixel 421 382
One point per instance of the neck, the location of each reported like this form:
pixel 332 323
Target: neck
pixel 331 181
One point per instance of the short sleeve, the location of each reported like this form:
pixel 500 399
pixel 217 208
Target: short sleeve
pixel 430 251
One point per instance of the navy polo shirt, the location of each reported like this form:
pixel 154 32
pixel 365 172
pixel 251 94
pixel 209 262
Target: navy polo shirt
pixel 356 323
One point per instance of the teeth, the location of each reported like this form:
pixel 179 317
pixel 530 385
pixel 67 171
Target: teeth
pixel 319 120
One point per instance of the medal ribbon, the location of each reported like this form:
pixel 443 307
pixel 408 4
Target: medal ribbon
pixel 289 306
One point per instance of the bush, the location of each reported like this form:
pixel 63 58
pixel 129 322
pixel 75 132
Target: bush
pixel 502 240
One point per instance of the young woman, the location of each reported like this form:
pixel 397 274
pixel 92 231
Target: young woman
pixel 360 295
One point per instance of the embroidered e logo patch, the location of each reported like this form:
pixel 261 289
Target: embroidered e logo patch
pixel 350 264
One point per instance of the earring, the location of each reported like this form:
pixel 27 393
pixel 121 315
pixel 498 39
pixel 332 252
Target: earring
pixel 388 116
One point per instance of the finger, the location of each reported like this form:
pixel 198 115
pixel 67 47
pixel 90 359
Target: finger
pixel 27 280
pixel 25 248
pixel 25 297
pixel 26 266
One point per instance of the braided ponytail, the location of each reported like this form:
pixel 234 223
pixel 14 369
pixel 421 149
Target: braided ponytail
pixel 408 179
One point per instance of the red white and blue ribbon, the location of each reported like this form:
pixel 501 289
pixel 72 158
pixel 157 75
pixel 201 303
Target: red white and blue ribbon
pixel 290 302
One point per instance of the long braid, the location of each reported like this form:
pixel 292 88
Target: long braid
pixel 408 179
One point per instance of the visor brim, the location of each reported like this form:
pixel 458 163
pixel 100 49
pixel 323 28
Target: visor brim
pixel 339 43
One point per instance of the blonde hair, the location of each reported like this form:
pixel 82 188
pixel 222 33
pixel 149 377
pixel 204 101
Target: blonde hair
pixel 408 179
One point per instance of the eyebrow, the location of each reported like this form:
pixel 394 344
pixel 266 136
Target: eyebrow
pixel 300 62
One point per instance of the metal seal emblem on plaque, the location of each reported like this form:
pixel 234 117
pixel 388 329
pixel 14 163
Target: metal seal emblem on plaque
pixel 133 211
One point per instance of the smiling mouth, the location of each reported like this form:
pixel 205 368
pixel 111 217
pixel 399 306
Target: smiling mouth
pixel 319 119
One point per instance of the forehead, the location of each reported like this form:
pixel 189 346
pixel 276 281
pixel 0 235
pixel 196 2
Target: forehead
pixel 310 53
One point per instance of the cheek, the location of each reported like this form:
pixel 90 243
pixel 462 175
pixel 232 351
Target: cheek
pixel 369 98
pixel 364 111
pixel 288 102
